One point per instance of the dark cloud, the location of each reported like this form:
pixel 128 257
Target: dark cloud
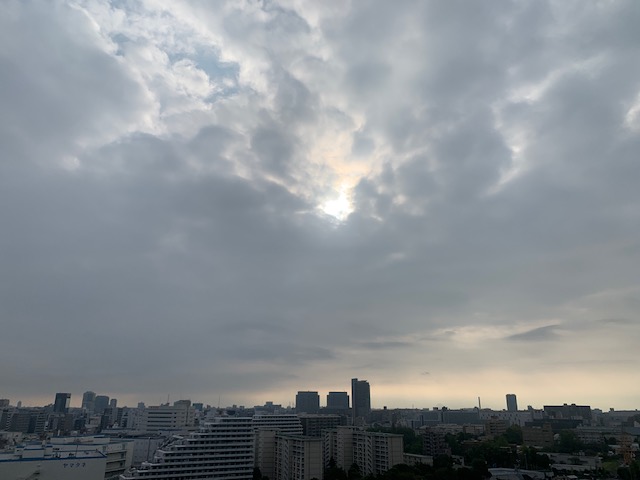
pixel 162 180
pixel 539 334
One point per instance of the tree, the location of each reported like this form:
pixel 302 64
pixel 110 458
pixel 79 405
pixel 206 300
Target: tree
pixel 513 434
pixel 569 442
pixel 354 472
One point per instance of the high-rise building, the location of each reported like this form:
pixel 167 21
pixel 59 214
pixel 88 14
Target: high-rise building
pixel 307 402
pixel 338 400
pixel 360 398
pixel 113 403
pixel 4 402
pixel 61 404
pixel 512 402
pixel 101 402
pixel 222 448
pixel 297 457
pixel 373 452
pixel 88 401
pixel 313 425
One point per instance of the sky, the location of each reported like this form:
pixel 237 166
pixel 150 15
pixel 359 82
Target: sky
pixel 231 201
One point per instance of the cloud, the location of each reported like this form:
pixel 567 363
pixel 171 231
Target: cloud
pixel 539 334
pixel 163 174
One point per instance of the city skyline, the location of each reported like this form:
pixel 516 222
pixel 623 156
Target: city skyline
pixel 245 199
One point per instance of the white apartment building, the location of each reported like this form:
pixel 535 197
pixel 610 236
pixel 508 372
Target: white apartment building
pixel 223 448
pixel 287 423
pixel 297 457
pixel 373 452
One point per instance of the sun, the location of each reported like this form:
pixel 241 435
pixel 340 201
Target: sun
pixel 338 207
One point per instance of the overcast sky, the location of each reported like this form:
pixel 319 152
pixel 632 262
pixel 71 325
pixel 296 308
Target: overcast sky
pixel 243 199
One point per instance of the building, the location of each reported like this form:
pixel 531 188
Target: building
pixel 41 461
pixel 222 448
pixel 26 420
pixel 494 426
pixel 312 425
pixel 434 441
pixel 285 423
pixel 360 398
pixel 512 402
pixel 118 452
pixel 4 402
pixel 100 403
pixel 307 402
pixel 373 452
pixel 61 404
pixel 180 416
pixel 297 457
pixel 338 400
pixel 88 401
pixel 512 418
pixel 568 412
pixel 538 436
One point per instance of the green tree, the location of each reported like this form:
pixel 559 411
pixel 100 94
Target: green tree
pixel 354 472
pixel 513 434
pixel 569 442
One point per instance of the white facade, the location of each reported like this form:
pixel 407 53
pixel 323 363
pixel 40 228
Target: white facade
pixel 298 457
pixel 373 452
pixel 288 423
pixel 42 463
pixel 223 448
pixel 165 417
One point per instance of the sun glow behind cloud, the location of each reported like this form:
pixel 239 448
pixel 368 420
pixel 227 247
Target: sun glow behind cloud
pixel 340 206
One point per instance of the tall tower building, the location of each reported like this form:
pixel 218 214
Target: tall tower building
pixel 88 401
pixel 307 402
pixel 61 404
pixel 338 400
pixel 101 402
pixel 512 402
pixel 360 398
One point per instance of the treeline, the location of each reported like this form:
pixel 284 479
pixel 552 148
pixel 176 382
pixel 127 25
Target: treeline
pixel 442 469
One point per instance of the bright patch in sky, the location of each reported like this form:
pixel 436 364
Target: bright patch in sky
pixel 338 207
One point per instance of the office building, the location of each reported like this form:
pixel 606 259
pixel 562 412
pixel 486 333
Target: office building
pixel 61 404
pixel 88 401
pixel 101 402
pixel 338 401
pixel 512 402
pixel 360 398
pixel 44 463
pixel 307 402
pixel 222 448
pixel 113 403
pixel 568 412
pixel 180 416
pixel 4 402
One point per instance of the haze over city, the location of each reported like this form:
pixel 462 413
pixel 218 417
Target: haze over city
pixel 240 200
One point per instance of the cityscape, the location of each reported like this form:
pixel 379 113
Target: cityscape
pixel 340 437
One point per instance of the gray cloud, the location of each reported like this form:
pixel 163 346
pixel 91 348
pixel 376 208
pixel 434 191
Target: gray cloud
pixel 162 186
